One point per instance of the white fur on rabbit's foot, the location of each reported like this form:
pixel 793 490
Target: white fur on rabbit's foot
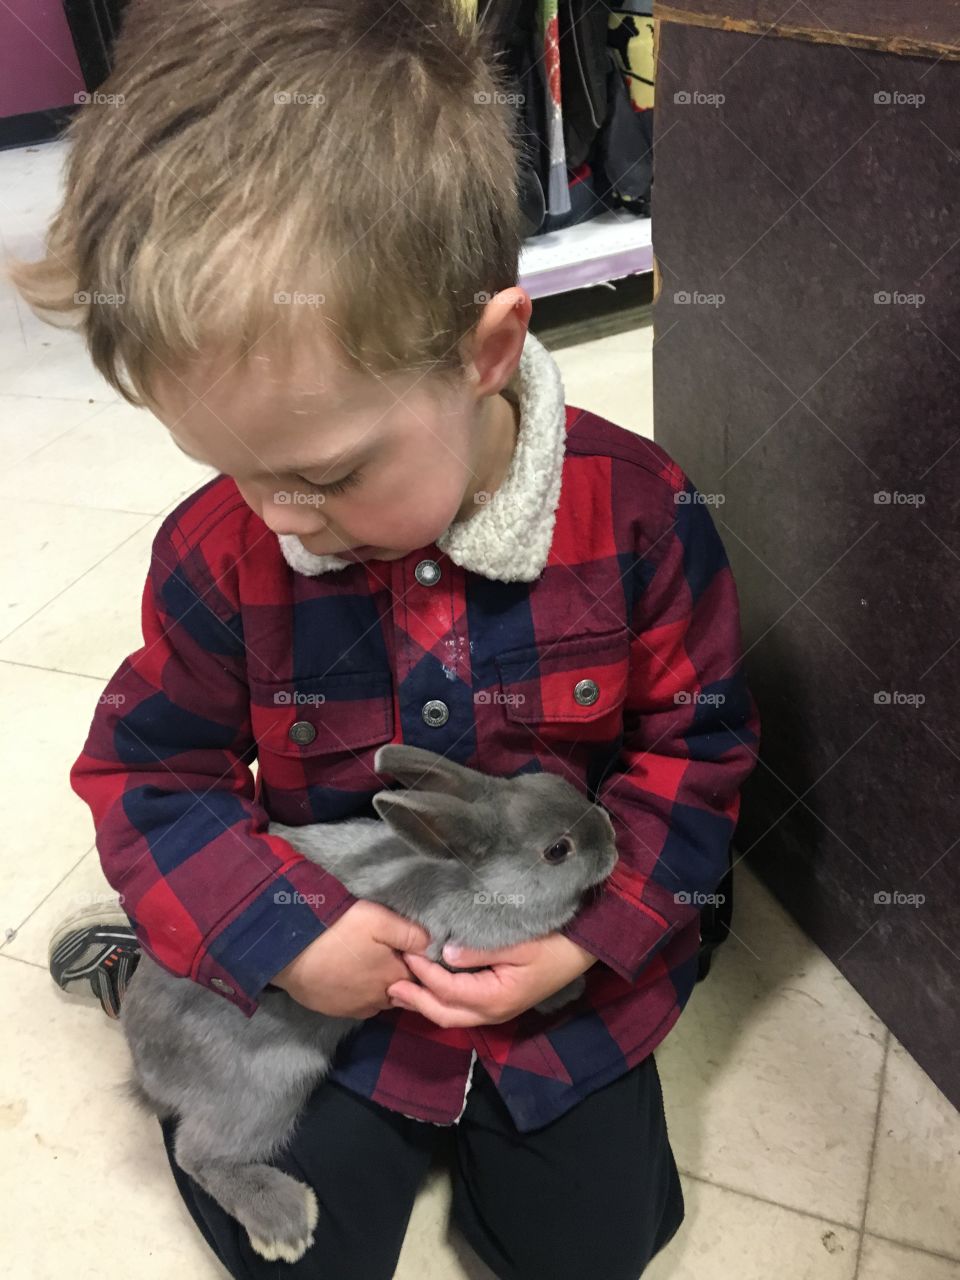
pixel 288 1246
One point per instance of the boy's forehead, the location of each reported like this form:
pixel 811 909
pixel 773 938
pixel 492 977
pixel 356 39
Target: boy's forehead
pixel 235 412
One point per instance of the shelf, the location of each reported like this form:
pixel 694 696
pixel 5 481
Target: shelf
pixel 608 247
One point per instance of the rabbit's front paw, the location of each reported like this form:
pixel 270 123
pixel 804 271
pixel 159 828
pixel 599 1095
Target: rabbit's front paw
pixel 559 998
pixel 291 1235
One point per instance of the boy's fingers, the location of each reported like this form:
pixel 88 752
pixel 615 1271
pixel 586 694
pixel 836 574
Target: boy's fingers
pixel 404 935
pixel 463 989
pixel 420 1000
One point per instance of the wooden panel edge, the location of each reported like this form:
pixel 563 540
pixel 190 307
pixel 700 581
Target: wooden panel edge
pixel 900 45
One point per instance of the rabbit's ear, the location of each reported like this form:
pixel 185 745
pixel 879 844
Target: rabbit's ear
pixel 432 824
pixel 424 770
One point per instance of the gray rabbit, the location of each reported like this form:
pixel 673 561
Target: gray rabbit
pixel 478 860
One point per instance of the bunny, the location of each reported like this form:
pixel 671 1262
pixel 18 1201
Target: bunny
pixel 477 860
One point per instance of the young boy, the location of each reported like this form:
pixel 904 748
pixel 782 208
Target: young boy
pixel 312 225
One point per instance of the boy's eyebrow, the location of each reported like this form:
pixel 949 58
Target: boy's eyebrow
pixel 321 464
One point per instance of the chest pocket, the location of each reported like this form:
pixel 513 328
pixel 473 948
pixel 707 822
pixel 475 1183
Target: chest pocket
pixel 572 689
pixel 321 732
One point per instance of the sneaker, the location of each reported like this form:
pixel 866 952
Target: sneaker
pixel 95 950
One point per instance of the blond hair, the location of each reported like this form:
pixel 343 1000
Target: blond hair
pixel 363 166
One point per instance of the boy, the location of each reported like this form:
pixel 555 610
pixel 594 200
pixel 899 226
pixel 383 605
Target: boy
pixel 410 538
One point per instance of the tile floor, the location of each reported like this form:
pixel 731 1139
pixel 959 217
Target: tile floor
pixel 811 1146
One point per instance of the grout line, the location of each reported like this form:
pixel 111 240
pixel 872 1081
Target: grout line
pixel 30 914
pixel 89 569
pixel 871 1159
pixel 777 1204
pixel 31 964
pixel 60 671
pixel 913 1248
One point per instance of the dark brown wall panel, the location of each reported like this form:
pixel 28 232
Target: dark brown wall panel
pixel 791 199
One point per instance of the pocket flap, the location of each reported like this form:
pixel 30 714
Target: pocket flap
pixel 322 715
pixel 579 678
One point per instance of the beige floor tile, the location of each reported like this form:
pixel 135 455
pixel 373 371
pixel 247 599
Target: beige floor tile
pixel 30 423
pixel 771 1077
pixel 726 1236
pixel 118 458
pixel 881 1260
pixel 46 719
pixel 84 1181
pixel 915 1188
pixel 48 547
pixel 91 626
pixel 612 377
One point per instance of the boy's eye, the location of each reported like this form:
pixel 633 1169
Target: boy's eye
pixel 337 487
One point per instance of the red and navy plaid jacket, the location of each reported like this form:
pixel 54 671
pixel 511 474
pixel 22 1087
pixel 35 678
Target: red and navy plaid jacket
pixel 636 595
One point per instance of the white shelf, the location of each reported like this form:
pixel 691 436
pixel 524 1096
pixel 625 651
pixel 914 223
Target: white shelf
pixel 612 245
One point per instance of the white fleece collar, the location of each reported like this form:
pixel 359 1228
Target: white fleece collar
pixel 509 538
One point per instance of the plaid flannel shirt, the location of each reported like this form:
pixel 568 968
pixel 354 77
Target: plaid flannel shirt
pixel 636 594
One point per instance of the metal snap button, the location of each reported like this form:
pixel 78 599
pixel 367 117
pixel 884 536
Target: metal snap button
pixel 435 713
pixel 427 573
pixel 586 692
pixel 302 732
pixel 225 987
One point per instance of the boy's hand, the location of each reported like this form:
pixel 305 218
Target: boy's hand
pixel 521 977
pixel 346 971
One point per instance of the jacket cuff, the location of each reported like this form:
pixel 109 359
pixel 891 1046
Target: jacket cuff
pixel 287 914
pixel 621 932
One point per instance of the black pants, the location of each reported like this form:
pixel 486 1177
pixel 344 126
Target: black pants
pixel 593 1193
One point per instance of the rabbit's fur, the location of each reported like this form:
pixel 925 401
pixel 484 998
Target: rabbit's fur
pixel 459 852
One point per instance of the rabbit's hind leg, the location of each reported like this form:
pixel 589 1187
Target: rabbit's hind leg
pixel 225 1157
pixel 278 1212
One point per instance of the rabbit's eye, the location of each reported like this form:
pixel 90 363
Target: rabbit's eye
pixel 558 852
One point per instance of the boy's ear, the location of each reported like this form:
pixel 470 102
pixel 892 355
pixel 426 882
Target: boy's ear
pixel 432 824
pixel 423 770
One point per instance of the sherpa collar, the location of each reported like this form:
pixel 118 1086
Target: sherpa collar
pixel 509 538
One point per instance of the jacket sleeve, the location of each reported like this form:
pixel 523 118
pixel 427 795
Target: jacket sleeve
pixel 179 829
pixel 690 737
